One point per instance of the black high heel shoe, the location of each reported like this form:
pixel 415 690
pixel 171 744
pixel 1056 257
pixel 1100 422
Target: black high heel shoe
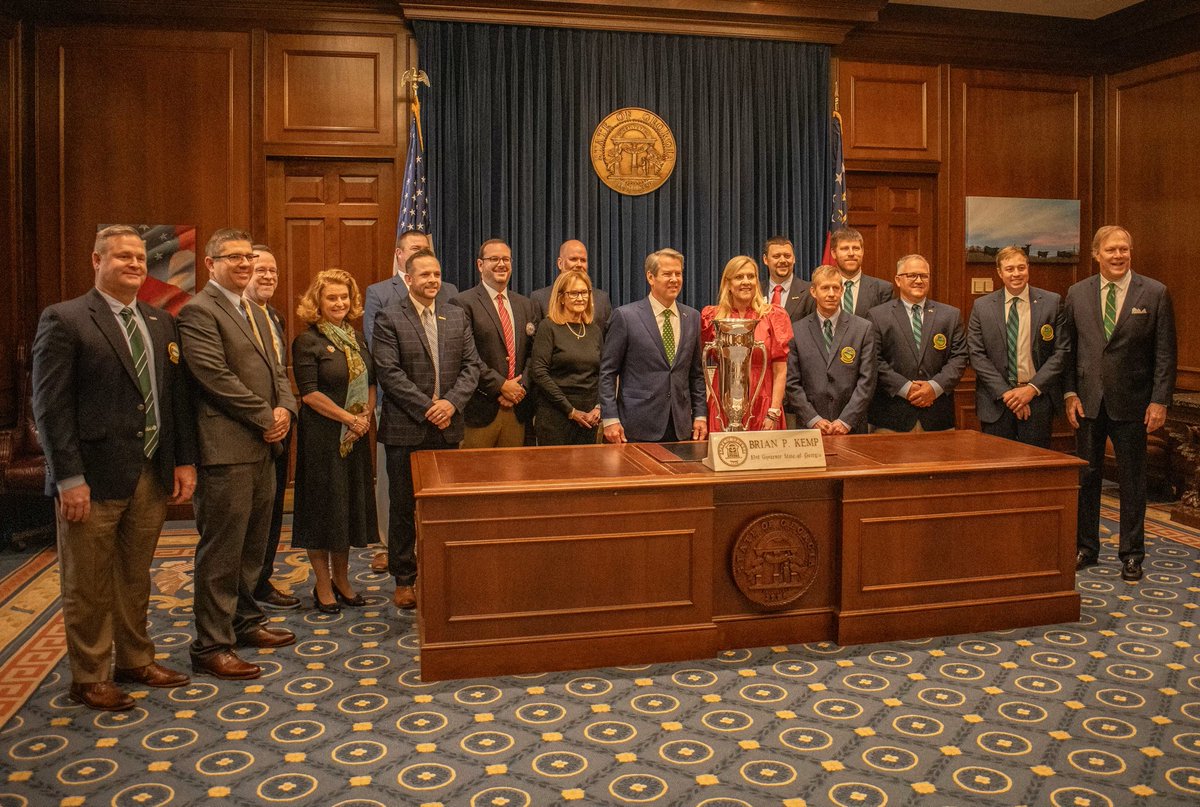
pixel 357 601
pixel 327 608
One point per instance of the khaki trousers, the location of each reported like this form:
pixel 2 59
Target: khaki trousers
pixel 505 431
pixel 105 568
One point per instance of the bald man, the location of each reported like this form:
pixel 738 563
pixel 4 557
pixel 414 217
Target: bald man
pixel 573 257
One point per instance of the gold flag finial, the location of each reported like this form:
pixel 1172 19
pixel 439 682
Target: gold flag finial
pixel 412 77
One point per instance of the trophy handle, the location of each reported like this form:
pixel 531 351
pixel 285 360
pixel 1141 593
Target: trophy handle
pixel 762 377
pixel 709 392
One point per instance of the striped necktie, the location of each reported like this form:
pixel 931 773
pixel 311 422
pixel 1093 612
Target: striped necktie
pixel 828 334
pixel 1013 327
pixel 141 366
pixel 848 297
pixel 916 324
pixel 1110 311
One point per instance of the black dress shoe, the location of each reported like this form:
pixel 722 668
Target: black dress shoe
pixel 276 600
pixel 1131 569
pixel 1084 560
pixel 267 637
pixel 327 607
pixel 357 601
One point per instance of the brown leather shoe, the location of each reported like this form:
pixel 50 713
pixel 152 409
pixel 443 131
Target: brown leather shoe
pixel 103 696
pixel 405 597
pixel 152 675
pixel 379 563
pixel 226 664
pixel 267 637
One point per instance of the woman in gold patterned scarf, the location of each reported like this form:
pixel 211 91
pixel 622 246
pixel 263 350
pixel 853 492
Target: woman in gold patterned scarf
pixel 335 500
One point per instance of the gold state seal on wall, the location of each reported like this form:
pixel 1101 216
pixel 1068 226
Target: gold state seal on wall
pixel 774 560
pixel 633 151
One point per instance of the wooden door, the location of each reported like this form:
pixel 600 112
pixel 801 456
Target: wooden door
pixel 329 215
pixel 896 215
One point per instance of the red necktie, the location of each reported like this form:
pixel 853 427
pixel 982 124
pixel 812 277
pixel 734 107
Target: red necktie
pixel 776 295
pixel 510 345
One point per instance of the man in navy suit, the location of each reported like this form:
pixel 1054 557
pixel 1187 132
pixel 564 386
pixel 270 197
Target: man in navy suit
pixel 504 323
pixel 573 257
pixel 860 292
pixel 111 405
pixel 831 362
pixel 259 291
pixel 1018 349
pixel 423 398
pixel 922 355
pixel 782 288
pixel 1119 380
pixel 378 297
pixel 651 380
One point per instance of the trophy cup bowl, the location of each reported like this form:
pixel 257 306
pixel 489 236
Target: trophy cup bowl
pixel 733 347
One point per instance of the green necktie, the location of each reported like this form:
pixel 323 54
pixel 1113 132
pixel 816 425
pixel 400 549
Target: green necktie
pixel 1110 311
pixel 828 333
pixel 141 366
pixel 668 336
pixel 1014 325
pixel 848 297
pixel 916 324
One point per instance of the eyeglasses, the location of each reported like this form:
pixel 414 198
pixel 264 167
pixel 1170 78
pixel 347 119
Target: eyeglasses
pixel 237 257
pixel 580 294
pixel 913 277
pixel 263 270
pixel 497 259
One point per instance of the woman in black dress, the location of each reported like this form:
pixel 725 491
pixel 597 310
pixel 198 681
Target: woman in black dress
pixel 335 499
pixel 566 365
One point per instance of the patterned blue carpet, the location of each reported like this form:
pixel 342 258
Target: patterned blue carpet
pixel 1102 712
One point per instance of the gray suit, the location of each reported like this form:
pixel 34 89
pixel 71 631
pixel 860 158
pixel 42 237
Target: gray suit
pixel 987 343
pixel 237 384
pixel 872 291
pixel 404 369
pixel 835 385
pixel 1116 379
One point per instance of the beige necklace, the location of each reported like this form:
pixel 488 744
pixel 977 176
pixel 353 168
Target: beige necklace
pixel 578 334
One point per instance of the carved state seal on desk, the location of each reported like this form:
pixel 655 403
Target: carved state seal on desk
pixel 774 560
pixel 633 151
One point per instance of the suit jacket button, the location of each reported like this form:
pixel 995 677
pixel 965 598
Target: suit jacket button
pixel 141 434
pixel 141 407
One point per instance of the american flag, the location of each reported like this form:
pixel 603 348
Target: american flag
pixel 414 199
pixel 838 219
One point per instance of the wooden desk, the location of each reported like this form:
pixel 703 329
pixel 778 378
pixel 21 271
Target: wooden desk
pixel 538 559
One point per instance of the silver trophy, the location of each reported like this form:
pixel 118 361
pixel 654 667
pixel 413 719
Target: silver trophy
pixel 734 347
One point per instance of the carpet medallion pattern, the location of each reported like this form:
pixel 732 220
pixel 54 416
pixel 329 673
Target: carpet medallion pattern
pixel 1105 711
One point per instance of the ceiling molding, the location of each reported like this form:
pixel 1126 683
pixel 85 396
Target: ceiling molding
pixel 819 21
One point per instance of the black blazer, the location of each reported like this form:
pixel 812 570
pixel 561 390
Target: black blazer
pixel 86 398
pixel 489 342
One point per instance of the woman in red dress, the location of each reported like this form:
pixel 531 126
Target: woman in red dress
pixel 741 297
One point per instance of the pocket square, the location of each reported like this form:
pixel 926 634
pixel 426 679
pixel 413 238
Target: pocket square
pixel 1138 311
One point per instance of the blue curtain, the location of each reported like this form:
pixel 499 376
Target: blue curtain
pixel 510 114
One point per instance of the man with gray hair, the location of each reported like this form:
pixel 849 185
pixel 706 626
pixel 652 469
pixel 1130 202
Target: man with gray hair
pixel 651 380
pixel 922 355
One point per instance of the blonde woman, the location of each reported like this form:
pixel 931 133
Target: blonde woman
pixel 565 365
pixel 741 297
pixel 335 500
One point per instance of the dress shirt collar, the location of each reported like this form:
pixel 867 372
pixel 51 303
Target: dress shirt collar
pixel 420 307
pixel 234 299
pixel 657 308
pixel 116 305
pixel 1122 284
pixel 1008 296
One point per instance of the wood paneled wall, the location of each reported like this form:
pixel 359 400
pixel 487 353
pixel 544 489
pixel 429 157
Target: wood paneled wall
pixel 1152 184
pixel 11 214
pixel 139 127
